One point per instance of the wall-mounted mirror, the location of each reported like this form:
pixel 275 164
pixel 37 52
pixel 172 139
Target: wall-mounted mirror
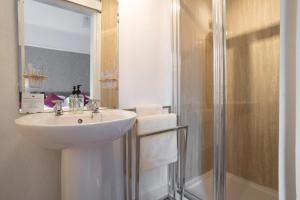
pixel 60 47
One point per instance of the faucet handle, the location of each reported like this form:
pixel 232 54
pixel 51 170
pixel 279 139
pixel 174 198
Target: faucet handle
pixel 93 105
pixel 58 107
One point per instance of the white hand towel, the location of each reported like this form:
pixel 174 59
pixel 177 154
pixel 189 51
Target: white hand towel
pixel 148 109
pixel 157 150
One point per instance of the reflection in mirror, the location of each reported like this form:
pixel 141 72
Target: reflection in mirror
pixel 55 51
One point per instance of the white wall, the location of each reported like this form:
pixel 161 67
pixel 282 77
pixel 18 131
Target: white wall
pixel 145 52
pixel 298 107
pixel 27 172
pixel 145 65
pixel 56 28
pixel 289 100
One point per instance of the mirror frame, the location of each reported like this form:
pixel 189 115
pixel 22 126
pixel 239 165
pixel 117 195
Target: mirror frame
pixel 91 8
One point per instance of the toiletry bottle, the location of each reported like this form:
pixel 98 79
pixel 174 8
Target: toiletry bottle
pixel 73 100
pixel 80 100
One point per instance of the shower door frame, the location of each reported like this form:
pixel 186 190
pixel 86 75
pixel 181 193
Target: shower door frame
pixel 219 54
pixel 219 76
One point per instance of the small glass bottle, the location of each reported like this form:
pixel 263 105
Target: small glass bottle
pixel 72 100
pixel 79 100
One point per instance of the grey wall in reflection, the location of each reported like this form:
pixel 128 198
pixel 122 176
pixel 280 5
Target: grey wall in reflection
pixel 64 69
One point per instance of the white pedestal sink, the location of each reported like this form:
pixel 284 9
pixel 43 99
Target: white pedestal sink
pixel 80 137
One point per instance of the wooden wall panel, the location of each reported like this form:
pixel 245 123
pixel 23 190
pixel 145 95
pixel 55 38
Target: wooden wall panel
pixel 109 49
pixel 252 90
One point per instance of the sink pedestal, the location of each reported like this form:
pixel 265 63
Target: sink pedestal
pixel 92 172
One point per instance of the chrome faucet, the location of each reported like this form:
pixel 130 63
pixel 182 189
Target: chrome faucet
pixel 58 111
pixel 93 105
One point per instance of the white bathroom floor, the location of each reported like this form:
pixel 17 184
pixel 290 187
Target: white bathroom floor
pixel 236 188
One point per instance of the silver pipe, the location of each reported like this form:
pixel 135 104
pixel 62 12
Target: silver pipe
pixel 137 169
pixel 125 177
pixel 130 162
pixel 184 161
pixel 219 16
pixel 162 131
pixel 164 107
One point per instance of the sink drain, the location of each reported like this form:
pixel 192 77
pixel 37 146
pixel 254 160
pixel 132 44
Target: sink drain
pixel 80 121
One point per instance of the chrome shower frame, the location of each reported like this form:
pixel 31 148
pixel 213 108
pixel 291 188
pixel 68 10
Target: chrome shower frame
pixel 219 48
pixel 219 73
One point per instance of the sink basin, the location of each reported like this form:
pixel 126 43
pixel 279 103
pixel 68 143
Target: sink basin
pixel 59 132
pixel 83 139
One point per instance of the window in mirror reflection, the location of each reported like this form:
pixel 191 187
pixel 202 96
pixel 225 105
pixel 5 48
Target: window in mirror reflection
pixel 57 51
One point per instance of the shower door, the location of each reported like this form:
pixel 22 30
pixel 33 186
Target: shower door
pixel 195 99
pixel 227 93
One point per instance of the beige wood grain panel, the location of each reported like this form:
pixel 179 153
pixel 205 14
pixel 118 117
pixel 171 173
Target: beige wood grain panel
pixel 252 90
pixel 109 49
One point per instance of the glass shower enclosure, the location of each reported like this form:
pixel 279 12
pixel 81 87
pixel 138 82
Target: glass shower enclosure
pixel 226 69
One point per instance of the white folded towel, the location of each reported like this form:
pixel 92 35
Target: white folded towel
pixel 148 109
pixel 157 150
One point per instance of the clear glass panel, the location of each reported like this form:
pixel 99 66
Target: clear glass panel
pixel 252 99
pixel 252 86
pixel 196 93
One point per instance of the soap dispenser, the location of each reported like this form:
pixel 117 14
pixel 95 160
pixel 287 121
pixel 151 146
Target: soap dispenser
pixel 73 100
pixel 80 99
